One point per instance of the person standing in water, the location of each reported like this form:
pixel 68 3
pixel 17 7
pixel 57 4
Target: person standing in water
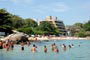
pixel 7 47
pixel 28 43
pixel 69 46
pixel 79 45
pixel 34 48
pixel 1 45
pixel 12 45
pixel 53 46
pixel 45 49
pixel 56 50
pixel 72 45
pixel 64 47
pixel 22 46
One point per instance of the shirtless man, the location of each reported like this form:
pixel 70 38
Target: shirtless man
pixel 34 49
pixel 45 49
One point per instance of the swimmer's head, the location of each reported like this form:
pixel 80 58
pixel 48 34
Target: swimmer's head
pixel 45 46
pixel 54 44
pixel 33 45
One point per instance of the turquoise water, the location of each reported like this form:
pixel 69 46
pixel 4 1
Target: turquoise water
pixel 74 53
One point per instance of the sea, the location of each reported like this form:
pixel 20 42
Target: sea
pixel 79 51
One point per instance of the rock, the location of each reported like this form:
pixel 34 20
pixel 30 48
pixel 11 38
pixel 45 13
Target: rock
pixel 17 37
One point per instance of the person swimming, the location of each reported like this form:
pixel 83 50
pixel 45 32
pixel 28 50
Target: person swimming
pixel 69 46
pixel 34 48
pixel 72 45
pixel 79 45
pixel 45 49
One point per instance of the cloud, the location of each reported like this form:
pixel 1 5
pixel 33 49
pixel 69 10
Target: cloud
pixel 53 7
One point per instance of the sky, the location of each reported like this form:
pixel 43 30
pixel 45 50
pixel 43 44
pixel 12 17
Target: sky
pixel 69 11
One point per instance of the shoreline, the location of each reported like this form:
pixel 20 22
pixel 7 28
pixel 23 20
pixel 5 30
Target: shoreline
pixel 58 38
pixel 47 38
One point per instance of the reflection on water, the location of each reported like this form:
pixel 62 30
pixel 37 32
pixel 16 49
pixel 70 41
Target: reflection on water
pixel 80 50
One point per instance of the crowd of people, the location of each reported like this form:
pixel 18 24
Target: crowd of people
pixel 9 44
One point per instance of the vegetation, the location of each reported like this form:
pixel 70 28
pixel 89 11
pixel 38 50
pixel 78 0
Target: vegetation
pixel 48 28
pixel 80 29
pixel 87 26
pixel 5 21
pixel 30 23
pixel 28 26
pixel 17 21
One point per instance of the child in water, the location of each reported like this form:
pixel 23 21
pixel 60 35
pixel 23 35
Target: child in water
pixel 45 49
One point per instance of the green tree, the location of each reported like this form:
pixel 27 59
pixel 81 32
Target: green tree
pixel 17 22
pixel 48 28
pixel 87 26
pixel 30 23
pixel 5 21
pixel 5 18
pixel 29 27
pixel 27 30
pixel 79 25
pixel 81 34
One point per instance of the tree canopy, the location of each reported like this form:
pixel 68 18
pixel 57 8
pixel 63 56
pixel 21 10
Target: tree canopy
pixel 80 29
pixel 30 23
pixel 87 26
pixel 5 19
pixel 17 22
pixel 48 27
